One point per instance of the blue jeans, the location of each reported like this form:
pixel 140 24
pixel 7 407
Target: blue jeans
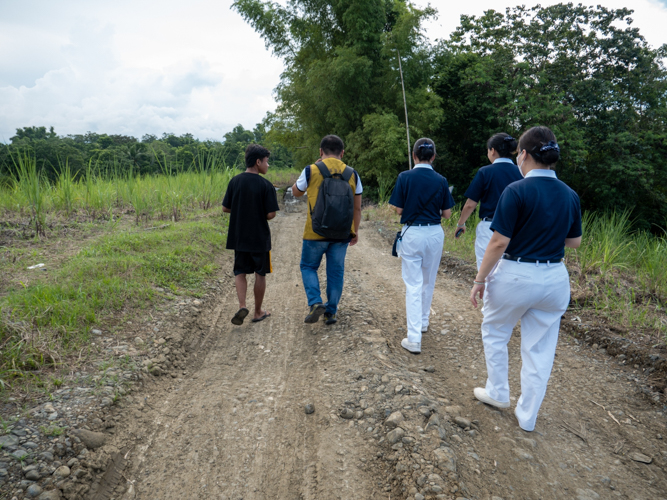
pixel 311 257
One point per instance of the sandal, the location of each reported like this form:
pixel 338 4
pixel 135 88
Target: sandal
pixel 240 316
pixel 262 317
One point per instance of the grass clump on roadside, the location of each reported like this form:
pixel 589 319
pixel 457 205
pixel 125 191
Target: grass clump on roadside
pixel 621 274
pixel 41 323
pixel 103 188
pixel 51 430
pixel 618 273
pixel 464 246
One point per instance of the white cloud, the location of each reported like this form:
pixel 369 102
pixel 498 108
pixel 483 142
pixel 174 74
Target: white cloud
pixel 164 67
pixel 128 67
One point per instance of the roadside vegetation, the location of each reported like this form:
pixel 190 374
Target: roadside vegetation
pixel 113 241
pixel 618 273
pixel 131 240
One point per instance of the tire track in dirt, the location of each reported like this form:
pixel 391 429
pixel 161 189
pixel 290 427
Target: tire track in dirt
pixel 234 426
pixel 237 427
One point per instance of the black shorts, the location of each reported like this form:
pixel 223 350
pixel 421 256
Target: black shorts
pixel 252 262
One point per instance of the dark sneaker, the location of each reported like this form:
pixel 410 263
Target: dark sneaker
pixel 316 310
pixel 330 319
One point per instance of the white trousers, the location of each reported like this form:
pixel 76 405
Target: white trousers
pixel 482 237
pixel 538 295
pixel 420 252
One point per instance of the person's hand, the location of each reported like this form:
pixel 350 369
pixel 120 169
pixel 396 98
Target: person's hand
pixel 354 240
pixel 460 231
pixel 476 289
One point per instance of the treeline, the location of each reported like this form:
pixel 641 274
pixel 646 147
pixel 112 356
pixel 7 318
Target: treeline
pixel 121 154
pixel 583 71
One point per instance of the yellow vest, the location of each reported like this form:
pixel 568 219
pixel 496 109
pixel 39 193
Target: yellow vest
pixel 335 166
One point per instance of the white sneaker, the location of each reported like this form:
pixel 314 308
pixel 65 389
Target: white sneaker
pixel 413 347
pixel 480 393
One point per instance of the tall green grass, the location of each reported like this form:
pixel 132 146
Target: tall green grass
pixel 608 243
pixel 31 189
pixel 64 190
pixel 102 189
pixel 610 247
pixel 623 270
pixel 464 246
pixel 283 177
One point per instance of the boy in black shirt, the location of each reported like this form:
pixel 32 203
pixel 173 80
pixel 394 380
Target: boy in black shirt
pixel 251 200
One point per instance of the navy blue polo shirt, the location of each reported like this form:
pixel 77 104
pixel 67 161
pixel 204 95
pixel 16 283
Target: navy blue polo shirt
pixel 537 214
pixel 414 188
pixel 490 182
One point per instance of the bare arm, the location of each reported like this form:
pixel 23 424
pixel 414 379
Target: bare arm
pixel 296 192
pixel 356 218
pixel 573 242
pixel 468 208
pixel 494 251
pixel 446 213
pixel 270 215
pixel 399 211
pixel 226 210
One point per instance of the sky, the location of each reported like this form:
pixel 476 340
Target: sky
pixel 147 66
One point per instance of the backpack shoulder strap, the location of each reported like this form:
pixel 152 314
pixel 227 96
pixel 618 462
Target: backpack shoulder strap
pixel 347 173
pixel 324 170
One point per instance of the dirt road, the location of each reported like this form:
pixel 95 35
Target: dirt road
pixel 231 424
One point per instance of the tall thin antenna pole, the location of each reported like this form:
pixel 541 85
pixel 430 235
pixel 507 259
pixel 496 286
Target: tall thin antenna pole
pixel 405 105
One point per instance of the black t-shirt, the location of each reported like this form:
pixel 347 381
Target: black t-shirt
pixel 537 214
pixel 489 184
pixel 250 197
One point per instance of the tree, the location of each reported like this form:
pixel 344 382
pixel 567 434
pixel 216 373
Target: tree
pixel 342 76
pixel 33 133
pixel 583 71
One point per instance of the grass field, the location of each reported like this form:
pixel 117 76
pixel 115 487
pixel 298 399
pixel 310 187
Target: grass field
pixel 111 243
pixel 100 192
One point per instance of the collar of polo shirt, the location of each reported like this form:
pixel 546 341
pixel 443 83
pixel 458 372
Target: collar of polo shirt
pixel 503 160
pixel 423 165
pixel 541 172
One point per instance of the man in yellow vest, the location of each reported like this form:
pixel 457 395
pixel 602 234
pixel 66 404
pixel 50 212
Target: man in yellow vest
pixel 315 245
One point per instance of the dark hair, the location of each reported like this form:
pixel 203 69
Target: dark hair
pixel 253 153
pixel 424 149
pixel 541 144
pixel 332 145
pixel 504 144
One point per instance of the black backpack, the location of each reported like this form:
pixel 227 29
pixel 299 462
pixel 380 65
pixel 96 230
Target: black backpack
pixel 333 212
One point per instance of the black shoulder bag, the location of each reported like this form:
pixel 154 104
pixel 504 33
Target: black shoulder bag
pixel 401 233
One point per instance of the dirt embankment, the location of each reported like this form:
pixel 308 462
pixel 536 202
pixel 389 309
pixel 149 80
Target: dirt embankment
pixel 220 410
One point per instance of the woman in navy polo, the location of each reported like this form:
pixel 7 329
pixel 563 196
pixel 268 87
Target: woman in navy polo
pixel 523 277
pixel 421 197
pixel 486 188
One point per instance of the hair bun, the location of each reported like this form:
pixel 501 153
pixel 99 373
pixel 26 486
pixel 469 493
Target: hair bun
pixel 508 138
pixel 426 145
pixel 550 146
